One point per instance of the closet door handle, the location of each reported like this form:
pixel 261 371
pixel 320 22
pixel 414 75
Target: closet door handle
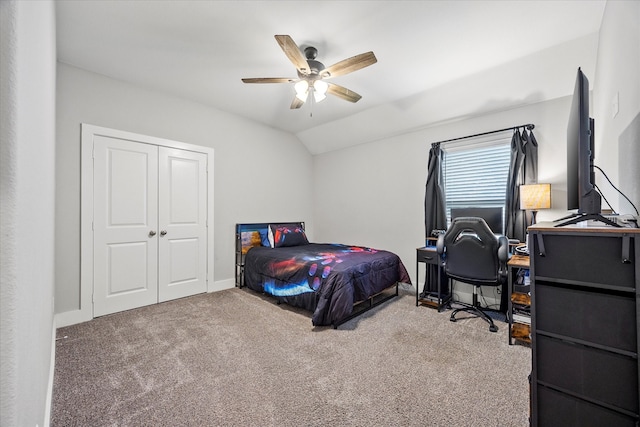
pixel 152 233
pixel 163 232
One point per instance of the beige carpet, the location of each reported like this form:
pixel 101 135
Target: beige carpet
pixel 236 358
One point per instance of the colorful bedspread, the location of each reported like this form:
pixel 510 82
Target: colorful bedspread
pixel 326 279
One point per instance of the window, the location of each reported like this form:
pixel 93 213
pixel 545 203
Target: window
pixel 476 174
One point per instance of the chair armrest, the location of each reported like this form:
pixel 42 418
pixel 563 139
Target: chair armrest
pixel 503 249
pixel 440 244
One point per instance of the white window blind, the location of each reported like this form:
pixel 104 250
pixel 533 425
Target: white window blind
pixel 476 175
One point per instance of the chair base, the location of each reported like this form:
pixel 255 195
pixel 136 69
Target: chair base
pixel 476 311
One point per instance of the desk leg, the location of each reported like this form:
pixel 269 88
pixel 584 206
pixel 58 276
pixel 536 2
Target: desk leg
pixel 509 304
pixel 439 290
pixel 417 281
pixel 441 304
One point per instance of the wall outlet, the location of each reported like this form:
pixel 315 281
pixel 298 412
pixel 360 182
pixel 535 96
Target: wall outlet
pixel 615 105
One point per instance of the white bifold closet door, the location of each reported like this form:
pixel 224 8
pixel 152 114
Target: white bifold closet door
pixel 150 231
pixel 183 223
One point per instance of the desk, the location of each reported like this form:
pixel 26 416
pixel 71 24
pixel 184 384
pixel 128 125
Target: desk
pixel 519 302
pixel 429 255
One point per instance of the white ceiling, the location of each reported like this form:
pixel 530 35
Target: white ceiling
pixel 437 60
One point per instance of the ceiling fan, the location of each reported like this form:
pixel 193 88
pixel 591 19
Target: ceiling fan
pixel 312 74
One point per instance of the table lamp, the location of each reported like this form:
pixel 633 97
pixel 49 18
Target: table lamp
pixel 534 197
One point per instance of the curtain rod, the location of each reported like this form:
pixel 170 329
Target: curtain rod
pixel 529 126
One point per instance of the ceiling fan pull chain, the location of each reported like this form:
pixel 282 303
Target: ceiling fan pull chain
pixel 312 102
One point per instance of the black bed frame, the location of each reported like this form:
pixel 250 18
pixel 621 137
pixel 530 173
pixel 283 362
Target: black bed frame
pixel 359 307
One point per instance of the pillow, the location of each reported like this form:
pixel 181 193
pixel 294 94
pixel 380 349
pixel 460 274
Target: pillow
pixel 249 239
pixel 264 236
pixel 287 235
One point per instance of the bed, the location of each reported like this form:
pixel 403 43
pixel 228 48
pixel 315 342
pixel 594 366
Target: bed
pixel 335 282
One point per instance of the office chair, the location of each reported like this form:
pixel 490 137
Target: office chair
pixel 472 254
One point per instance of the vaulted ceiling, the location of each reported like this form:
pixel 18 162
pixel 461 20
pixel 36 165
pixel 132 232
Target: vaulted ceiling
pixel 437 60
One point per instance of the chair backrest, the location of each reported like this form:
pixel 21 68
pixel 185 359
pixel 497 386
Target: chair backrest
pixel 472 252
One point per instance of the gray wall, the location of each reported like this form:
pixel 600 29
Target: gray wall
pixel 617 78
pixel 261 174
pixel 27 101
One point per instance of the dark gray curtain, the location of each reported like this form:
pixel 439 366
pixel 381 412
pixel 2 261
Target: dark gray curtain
pixel 530 158
pixel 435 216
pixel 522 170
pixel 513 214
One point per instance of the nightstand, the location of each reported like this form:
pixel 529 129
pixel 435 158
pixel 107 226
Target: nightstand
pixel 429 255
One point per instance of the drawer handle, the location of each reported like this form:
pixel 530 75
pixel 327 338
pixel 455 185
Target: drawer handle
pixel 625 250
pixel 541 250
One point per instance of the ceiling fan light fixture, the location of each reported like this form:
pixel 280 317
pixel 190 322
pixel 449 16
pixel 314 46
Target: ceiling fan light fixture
pixel 302 96
pixel 318 96
pixel 302 90
pixel 320 90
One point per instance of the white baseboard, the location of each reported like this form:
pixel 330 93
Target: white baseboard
pixel 221 285
pixel 52 368
pixel 69 318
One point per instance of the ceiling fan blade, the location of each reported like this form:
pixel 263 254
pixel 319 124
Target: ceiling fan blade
pixel 343 92
pixel 268 80
pixel 350 65
pixel 291 49
pixel 296 103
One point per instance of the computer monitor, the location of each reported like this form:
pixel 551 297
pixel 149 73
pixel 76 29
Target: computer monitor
pixel 581 191
pixel 492 216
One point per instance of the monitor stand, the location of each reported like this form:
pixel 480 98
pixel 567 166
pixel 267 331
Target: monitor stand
pixel 579 217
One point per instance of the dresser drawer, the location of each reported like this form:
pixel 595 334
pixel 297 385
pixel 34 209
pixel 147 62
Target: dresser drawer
pixel 588 372
pixel 560 410
pixel 591 260
pixel 606 319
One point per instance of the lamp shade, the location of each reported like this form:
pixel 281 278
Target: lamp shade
pixel 535 196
